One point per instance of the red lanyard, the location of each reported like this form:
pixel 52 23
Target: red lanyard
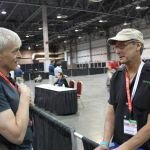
pixel 128 92
pixel 6 79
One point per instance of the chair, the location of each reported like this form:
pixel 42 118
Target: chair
pixel 79 91
pixel 72 84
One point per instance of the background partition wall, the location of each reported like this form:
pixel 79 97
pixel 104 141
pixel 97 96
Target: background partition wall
pixel 79 55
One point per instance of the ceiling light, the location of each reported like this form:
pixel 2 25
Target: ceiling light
pixel 95 1
pixel 126 23
pixel 3 12
pixel 66 21
pixel 79 37
pixel 65 41
pixel 76 30
pixel 59 16
pixel 40 28
pixel 27 36
pixel 31 35
pixel 29 48
pixel 141 8
pixel 58 36
pixel 102 21
pixel 138 7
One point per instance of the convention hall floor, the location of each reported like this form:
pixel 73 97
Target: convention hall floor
pixel 89 120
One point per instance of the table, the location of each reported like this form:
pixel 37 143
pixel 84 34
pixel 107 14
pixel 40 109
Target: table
pixel 58 100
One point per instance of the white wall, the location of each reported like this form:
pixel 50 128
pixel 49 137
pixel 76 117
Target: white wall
pixel 99 50
pixel 99 54
pixel 146 51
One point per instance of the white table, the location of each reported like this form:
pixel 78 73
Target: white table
pixel 58 100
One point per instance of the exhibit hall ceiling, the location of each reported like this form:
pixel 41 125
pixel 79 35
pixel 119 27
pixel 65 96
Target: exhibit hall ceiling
pixel 69 19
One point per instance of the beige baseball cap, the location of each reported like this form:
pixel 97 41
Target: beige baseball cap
pixel 127 34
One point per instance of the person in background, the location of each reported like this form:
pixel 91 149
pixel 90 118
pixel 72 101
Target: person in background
pixel 11 79
pixel 127 120
pixel 51 73
pixel 18 74
pixel 15 130
pixel 61 81
pixel 110 73
pixel 38 78
pixel 57 69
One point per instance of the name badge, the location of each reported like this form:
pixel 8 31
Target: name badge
pixel 130 127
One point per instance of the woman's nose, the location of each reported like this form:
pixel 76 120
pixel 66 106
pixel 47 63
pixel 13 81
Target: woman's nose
pixel 19 54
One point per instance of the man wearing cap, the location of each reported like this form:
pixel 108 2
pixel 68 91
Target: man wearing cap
pixel 127 121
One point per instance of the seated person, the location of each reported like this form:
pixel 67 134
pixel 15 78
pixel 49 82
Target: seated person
pixel 61 80
pixel 38 79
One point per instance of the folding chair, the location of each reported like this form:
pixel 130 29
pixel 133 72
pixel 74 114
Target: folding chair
pixel 79 91
pixel 72 84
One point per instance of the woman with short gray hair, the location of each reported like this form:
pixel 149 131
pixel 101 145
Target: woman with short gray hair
pixel 15 130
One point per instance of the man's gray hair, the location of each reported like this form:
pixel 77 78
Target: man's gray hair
pixel 7 36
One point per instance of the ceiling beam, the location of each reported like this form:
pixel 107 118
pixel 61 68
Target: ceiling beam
pixel 64 8
pixel 20 3
pixel 29 18
pixel 12 11
pixel 111 7
pixel 75 3
pixel 1 5
pixel 83 24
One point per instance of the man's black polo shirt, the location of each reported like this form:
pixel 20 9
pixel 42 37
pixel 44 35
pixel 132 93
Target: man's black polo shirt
pixel 140 102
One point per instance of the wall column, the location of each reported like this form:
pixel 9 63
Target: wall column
pixel 45 38
pixel 76 49
pixel 71 58
pixel 107 45
pixel 65 54
pixel 90 47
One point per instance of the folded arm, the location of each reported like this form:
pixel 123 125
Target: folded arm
pixel 13 126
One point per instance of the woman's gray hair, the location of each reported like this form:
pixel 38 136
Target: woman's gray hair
pixel 7 36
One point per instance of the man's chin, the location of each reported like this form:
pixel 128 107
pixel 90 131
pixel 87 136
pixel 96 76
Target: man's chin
pixel 122 61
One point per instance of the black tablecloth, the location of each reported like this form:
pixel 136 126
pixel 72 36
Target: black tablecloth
pixel 60 103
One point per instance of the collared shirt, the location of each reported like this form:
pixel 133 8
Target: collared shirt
pixel 9 99
pixel 51 69
pixel 141 102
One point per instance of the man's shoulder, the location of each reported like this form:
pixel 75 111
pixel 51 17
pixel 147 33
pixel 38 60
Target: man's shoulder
pixel 147 66
pixel 119 71
pixel 51 65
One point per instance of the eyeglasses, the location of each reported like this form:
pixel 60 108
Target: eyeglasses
pixel 124 44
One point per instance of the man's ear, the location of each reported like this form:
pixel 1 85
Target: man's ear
pixel 139 46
